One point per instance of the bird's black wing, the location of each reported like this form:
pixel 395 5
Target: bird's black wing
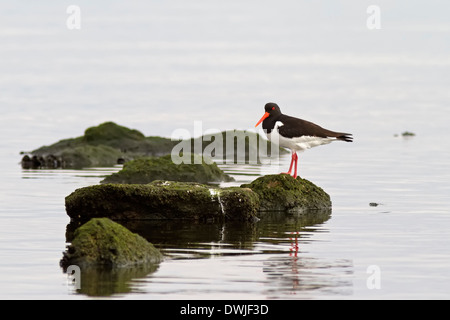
pixel 294 127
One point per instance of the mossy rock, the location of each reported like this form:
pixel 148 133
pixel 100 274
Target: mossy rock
pixel 104 145
pixel 146 170
pixel 109 144
pixel 194 201
pixel 102 242
pixel 112 134
pixel 281 192
pixel 84 156
pixel 237 146
pixel 161 200
pixel 238 203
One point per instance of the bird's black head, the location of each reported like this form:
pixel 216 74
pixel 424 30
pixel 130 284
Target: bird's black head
pixel 272 112
pixel 272 108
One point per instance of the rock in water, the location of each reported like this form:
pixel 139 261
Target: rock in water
pixel 104 145
pixel 193 201
pixel 109 144
pixel 161 200
pixel 281 192
pixel 102 242
pixel 146 170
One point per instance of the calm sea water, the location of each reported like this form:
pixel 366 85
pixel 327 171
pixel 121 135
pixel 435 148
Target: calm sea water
pixel 159 67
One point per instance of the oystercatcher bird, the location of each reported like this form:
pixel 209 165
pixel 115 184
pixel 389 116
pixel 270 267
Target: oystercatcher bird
pixel 296 134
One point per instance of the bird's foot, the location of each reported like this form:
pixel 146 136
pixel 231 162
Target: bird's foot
pixel 288 173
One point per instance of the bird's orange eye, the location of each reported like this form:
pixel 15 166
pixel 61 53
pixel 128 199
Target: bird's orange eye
pixel 273 108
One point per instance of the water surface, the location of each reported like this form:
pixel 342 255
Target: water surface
pixel 157 67
pixel 315 255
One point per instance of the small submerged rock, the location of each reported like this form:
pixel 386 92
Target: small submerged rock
pixel 281 192
pixel 146 170
pixel 104 243
pixel 406 134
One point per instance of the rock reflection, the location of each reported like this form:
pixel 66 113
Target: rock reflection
pixel 105 282
pixel 278 237
pixel 231 237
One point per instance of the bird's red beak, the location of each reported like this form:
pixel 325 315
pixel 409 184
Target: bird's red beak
pixel 262 119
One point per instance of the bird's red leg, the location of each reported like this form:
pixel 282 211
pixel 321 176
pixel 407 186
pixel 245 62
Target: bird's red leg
pixel 295 158
pixel 290 166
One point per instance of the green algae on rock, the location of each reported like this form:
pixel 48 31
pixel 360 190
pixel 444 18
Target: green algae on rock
pixel 113 135
pixel 89 156
pixel 146 170
pixel 102 242
pixel 281 192
pixel 236 146
pixel 109 144
pixel 194 201
pixel 238 203
pixel 161 200
pixel 104 145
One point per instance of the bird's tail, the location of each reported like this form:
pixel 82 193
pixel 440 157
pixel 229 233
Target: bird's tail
pixel 347 137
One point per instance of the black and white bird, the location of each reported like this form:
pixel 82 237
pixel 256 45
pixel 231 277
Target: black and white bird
pixel 296 134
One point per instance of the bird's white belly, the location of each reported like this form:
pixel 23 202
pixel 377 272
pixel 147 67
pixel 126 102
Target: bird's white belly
pixel 297 144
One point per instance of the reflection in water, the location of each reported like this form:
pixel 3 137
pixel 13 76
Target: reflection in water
pixel 275 240
pixel 179 239
pixel 103 282
pixel 293 275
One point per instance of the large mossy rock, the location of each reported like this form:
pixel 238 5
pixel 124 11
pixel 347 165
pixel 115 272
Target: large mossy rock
pixel 109 143
pixel 84 156
pixel 238 146
pixel 113 135
pixel 104 145
pixel 162 200
pixel 146 170
pixel 193 201
pixel 281 192
pixel 103 243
